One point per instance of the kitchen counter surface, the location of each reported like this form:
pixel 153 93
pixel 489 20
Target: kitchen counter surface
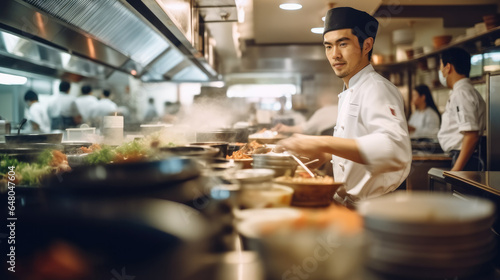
pixel 487 181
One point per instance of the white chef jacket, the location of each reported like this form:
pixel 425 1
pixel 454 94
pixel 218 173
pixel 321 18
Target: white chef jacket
pixel 324 118
pixel 104 107
pixel 37 113
pixel 425 122
pixel 67 104
pixel 54 107
pixel 371 112
pixel 465 111
pixel 85 105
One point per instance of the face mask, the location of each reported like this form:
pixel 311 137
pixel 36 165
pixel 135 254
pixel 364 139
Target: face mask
pixel 442 79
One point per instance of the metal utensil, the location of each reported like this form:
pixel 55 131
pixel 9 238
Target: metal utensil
pixel 21 126
pixel 303 166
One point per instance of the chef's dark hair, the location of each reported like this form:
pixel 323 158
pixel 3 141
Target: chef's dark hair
pixel 459 58
pixel 30 96
pixel 429 101
pixel 361 39
pixel 86 89
pixel 106 93
pixel 64 86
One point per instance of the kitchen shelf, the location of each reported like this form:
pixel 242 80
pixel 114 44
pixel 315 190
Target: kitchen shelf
pixel 414 60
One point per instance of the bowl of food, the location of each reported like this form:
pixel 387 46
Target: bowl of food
pixel 310 192
pixel 331 240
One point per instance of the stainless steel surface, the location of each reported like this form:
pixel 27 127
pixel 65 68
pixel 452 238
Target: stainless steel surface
pixel 493 122
pixel 70 36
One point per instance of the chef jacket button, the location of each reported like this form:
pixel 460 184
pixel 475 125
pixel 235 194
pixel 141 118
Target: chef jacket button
pixel 341 165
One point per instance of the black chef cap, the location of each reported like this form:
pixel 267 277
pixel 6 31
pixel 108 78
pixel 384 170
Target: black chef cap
pixel 363 24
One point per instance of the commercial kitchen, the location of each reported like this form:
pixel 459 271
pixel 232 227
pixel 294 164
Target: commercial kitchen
pixel 179 139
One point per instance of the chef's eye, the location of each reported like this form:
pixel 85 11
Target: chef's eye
pixel 343 44
pixel 328 47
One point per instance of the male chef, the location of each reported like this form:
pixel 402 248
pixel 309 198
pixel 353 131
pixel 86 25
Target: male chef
pixel 370 147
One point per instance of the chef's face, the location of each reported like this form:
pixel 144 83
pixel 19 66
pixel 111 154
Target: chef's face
pixel 345 54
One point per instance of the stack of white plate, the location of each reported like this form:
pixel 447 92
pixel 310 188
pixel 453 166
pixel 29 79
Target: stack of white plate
pixel 421 235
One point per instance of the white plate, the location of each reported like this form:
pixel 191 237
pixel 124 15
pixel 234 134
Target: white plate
pixel 267 213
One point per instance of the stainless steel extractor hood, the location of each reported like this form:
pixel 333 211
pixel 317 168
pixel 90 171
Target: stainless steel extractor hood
pixel 109 33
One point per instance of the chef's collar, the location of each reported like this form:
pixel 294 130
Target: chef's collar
pixel 355 79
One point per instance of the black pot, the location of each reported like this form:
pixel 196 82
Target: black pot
pixel 54 138
pixel 222 146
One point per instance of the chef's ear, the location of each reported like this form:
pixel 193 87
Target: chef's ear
pixel 367 45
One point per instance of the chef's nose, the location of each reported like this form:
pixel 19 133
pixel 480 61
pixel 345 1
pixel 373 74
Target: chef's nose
pixel 336 53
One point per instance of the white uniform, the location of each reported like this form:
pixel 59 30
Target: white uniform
pixel 426 123
pixel 324 118
pixel 37 113
pixel 104 107
pixel 371 112
pixel 465 111
pixel 67 104
pixel 85 105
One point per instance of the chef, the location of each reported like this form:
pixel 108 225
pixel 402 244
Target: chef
pixel 464 119
pixel 37 116
pixel 370 147
pixel 85 103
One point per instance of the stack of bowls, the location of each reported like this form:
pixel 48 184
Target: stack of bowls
pixel 425 235
pixel 282 164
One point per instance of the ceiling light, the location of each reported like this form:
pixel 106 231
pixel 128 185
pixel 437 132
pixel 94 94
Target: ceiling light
pixel 290 6
pixel 317 30
pixel 6 79
pixel 323 18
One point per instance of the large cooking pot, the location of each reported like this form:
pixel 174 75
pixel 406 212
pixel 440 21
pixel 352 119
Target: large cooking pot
pixel 54 138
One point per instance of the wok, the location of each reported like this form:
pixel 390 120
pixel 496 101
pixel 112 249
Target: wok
pixel 54 138
pixel 222 146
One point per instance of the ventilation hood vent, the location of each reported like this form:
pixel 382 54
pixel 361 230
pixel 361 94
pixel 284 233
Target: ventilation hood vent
pixel 94 38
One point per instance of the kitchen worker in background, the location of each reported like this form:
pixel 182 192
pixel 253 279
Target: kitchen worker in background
pixel 63 108
pixel 104 107
pixel 287 117
pixel 464 118
pixel 37 113
pixel 151 113
pixel 425 121
pixel 85 103
pixel 370 147
pixel 320 123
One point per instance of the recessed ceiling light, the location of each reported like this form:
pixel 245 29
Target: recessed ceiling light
pixel 290 6
pixel 317 30
pixel 323 18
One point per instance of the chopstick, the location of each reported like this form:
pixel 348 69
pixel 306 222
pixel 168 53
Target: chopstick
pixel 303 166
